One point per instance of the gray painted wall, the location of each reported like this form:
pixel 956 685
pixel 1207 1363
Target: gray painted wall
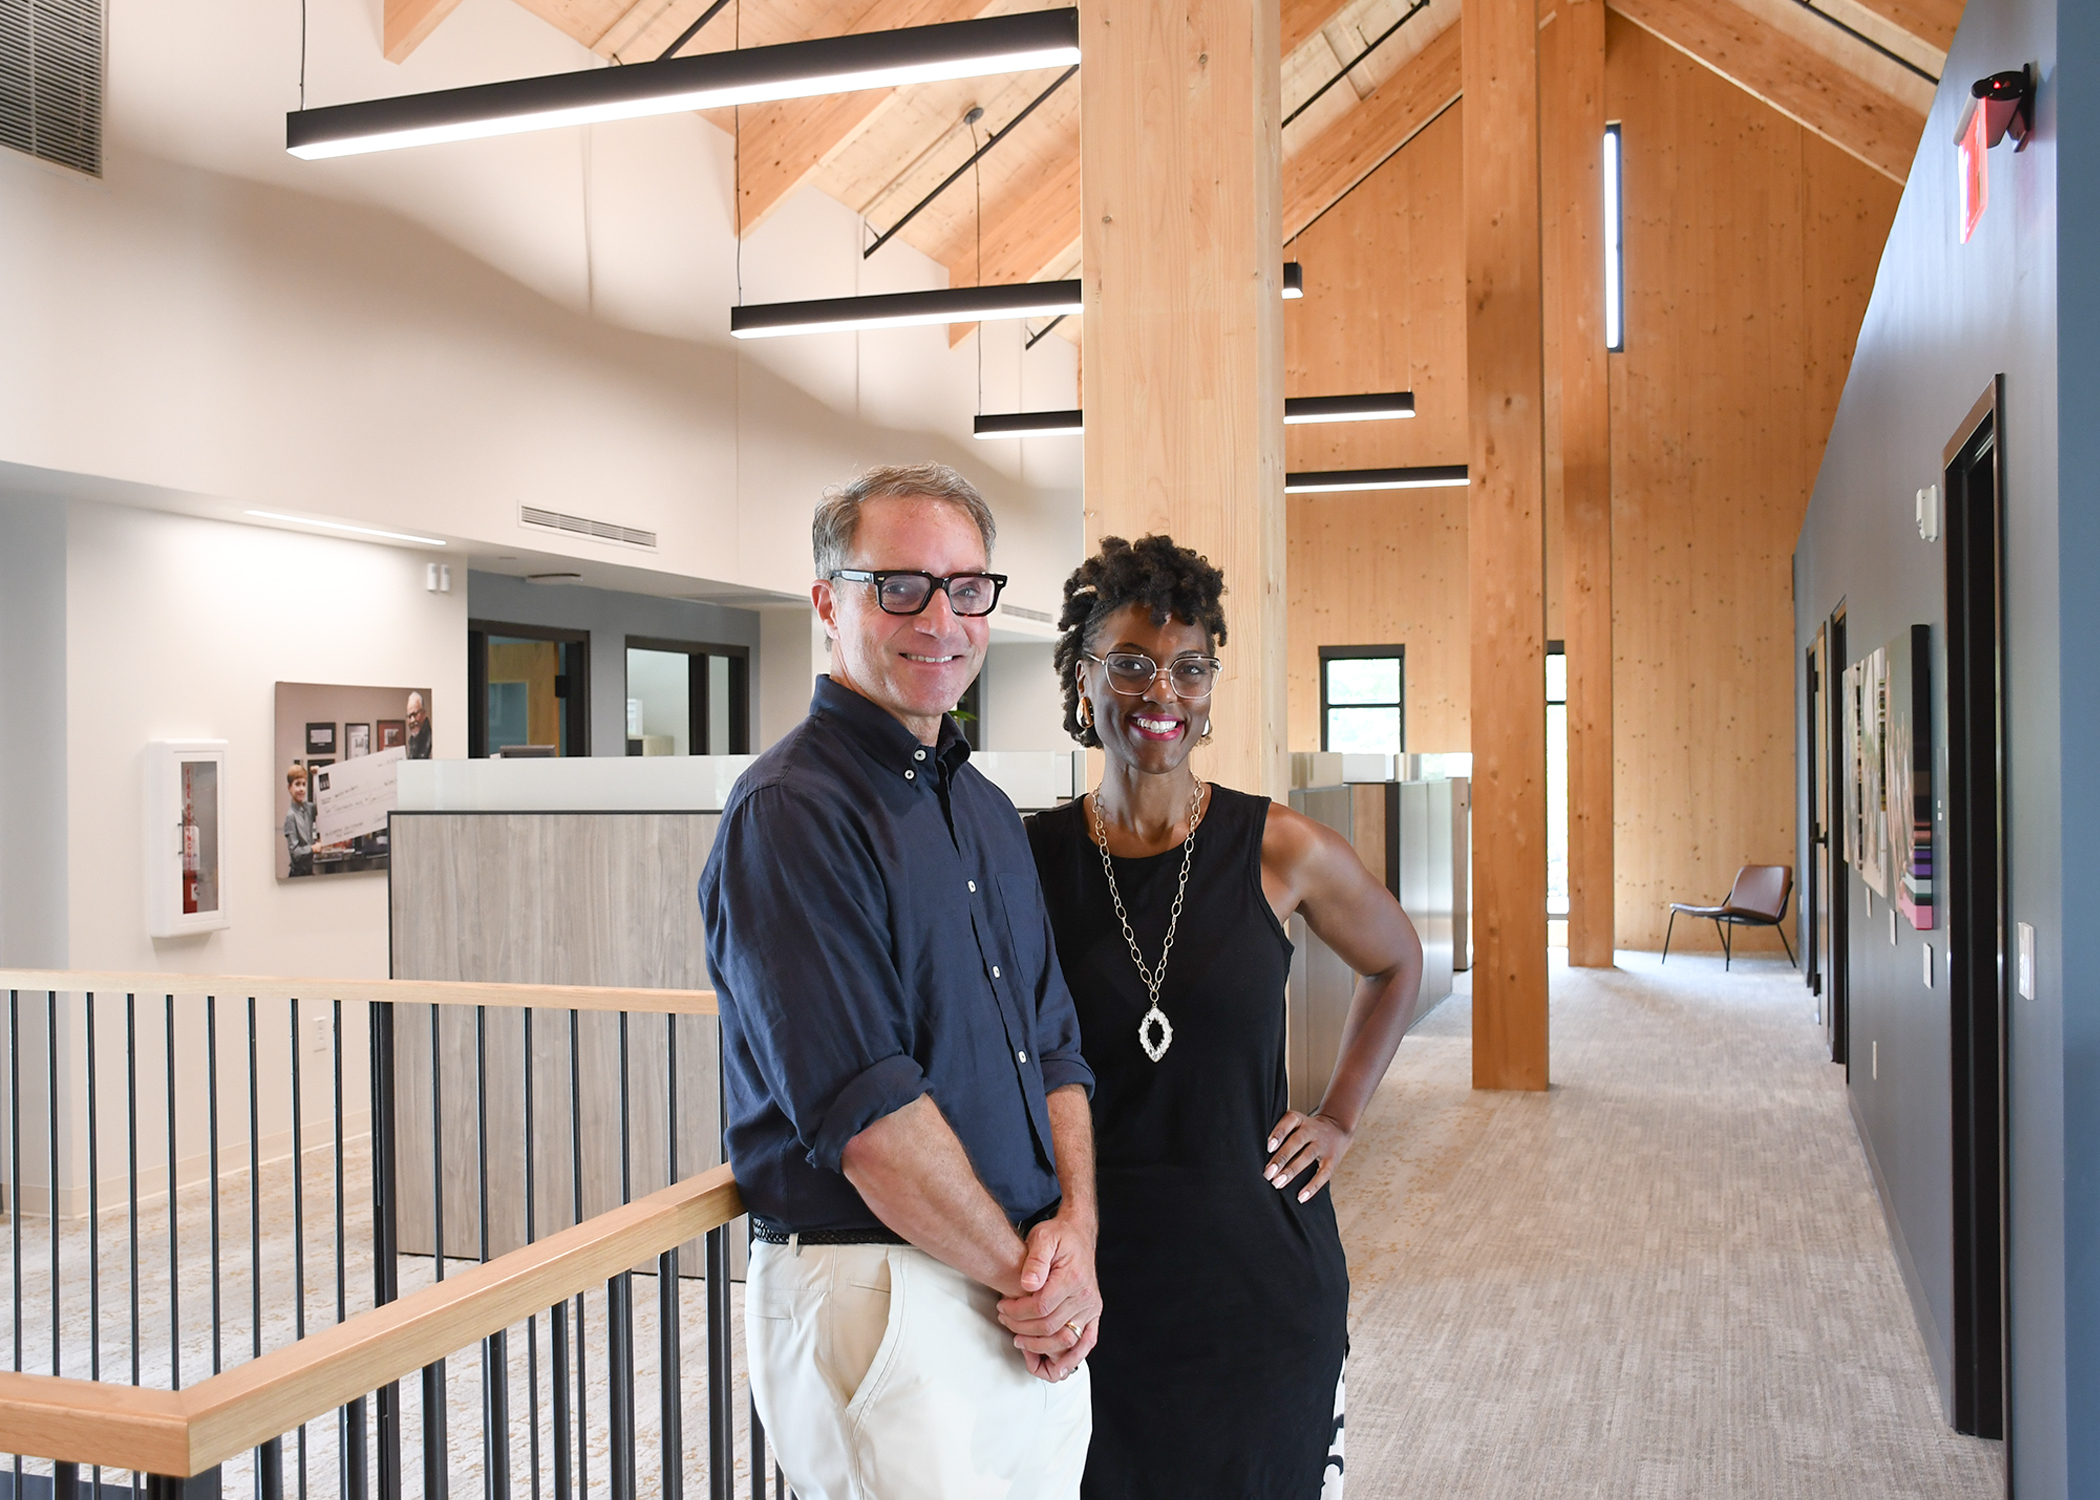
pixel 33 883
pixel 1944 319
pixel 611 617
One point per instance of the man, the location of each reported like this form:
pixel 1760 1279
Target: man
pixel 908 1110
pixel 418 728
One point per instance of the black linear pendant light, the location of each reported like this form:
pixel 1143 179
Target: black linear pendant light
pixel 756 75
pixel 960 304
pixel 1297 411
pixel 1329 481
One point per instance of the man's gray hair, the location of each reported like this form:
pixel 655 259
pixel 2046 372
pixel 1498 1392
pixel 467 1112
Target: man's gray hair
pixel 838 514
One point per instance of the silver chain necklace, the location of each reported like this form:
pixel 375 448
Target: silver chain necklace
pixel 1152 977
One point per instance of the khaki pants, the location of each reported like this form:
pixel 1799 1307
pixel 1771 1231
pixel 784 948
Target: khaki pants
pixel 881 1374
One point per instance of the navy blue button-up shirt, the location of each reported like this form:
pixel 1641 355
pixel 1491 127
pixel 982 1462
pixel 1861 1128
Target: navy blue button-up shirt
pixel 875 932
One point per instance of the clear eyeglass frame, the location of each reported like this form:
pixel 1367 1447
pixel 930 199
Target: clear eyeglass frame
pixel 1138 672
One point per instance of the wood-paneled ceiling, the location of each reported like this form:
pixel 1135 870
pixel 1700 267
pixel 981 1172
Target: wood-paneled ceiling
pixel 1857 72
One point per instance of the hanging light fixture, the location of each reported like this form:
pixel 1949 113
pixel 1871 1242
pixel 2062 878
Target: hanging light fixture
pixel 959 304
pixel 1385 407
pixel 710 80
pixel 1014 424
pixel 1293 281
pixel 1329 481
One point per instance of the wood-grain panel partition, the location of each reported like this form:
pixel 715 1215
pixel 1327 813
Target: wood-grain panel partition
pixel 548 898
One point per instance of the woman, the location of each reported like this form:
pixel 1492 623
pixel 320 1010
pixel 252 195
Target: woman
pixel 1219 1367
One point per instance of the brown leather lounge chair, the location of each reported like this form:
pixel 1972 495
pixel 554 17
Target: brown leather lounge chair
pixel 1757 899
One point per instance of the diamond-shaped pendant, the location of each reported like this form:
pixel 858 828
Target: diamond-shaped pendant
pixel 1155 1017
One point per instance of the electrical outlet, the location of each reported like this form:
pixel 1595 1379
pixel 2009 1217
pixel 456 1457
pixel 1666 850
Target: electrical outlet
pixel 1874 1060
pixel 2024 968
pixel 1928 966
pixel 319 1034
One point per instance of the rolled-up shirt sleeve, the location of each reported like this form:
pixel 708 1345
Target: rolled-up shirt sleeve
pixel 799 947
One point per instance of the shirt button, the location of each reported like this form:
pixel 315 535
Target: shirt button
pixel 995 975
pixel 973 884
pixel 918 755
pixel 1023 1056
pixel 909 775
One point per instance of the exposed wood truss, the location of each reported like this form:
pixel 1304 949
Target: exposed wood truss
pixel 1324 168
pixel 1750 52
pixel 408 22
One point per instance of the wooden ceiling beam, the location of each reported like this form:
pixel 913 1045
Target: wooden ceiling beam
pixel 1323 169
pixel 1302 18
pixel 1817 94
pixel 1930 21
pixel 407 22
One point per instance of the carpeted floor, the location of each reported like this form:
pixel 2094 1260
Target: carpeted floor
pixel 1668 1276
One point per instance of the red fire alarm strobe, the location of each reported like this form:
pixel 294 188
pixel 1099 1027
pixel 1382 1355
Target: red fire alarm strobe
pixel 1999 105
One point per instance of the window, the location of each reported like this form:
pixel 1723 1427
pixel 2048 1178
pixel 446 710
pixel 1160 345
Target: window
pixel 1556 779
pixel 1614 241
pixel 1363 699
pixel 528 690
pixel 687 698
pixel 51 81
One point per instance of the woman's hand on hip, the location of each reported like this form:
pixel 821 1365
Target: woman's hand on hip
pixel 1302 1141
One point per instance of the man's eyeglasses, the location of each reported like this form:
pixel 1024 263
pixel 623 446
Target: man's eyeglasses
pixel 908 593
pixel 1132 673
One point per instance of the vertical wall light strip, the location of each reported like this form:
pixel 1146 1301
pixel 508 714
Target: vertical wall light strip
pixel 1614 245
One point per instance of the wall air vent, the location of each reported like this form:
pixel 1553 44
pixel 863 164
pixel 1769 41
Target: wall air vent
pixel 553 520
pixel 51 81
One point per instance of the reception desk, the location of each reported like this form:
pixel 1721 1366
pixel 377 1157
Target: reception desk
pixel 1416 836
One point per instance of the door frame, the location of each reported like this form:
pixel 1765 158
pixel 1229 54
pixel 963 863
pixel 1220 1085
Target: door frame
pixel 1838 955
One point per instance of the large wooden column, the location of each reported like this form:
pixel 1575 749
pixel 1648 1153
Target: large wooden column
pixel 1505 377
pixel 1182 349
pixel 1572 108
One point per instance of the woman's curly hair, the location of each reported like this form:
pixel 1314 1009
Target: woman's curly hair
pixel 1154 572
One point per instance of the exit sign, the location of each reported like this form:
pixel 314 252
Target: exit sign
pixel 1973 158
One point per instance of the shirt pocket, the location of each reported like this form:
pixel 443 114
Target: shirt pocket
pixel 1027 930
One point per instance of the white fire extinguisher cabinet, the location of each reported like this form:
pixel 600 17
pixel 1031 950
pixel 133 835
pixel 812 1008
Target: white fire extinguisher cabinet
pixel 185 837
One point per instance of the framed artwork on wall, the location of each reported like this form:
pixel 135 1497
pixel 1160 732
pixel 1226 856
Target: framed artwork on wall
pixel 320 739
pixel 334 777
pixel 1907 772
pixel 357 740
pixel 392 732
pixel 1866 801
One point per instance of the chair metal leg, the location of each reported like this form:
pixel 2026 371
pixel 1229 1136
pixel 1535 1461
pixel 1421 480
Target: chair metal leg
pixel 1776 927
pixel 1666 937
pixel 1726 931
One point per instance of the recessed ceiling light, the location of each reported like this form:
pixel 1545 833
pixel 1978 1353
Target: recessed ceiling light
pixel 392 536
pixel 709 80
pixel 554 578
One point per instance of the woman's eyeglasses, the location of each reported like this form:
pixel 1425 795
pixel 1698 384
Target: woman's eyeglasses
pixel 1132 673
pixel 907 593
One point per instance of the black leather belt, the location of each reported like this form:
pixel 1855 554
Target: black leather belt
pixel 766 1232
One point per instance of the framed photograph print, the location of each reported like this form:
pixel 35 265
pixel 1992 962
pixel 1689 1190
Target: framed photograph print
pixel 357 740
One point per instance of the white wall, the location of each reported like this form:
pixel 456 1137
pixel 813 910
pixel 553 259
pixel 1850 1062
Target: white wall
pixel 33 851
pixel 179 628
pixel 1023 709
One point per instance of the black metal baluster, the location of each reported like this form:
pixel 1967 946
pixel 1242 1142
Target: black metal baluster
pixel 350 1420
pixel 758 1453
pixel 721 1398
pixel 131 1171
pixel 298 1212
pixel 619 1312
pixel 437 1474
pixel 94 1224
pixel 583 1431
pixel 269 1456
pixel 211 1122
pixel 51 1142
pixel 14 1176
pixel 386 1229
pixel 670 1385
pixel 174 1219
pixel 495 1349
pixel 532 1324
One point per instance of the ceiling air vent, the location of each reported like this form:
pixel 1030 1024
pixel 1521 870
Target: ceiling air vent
pixel 51 81
pixel 1023 612
pixel 554 520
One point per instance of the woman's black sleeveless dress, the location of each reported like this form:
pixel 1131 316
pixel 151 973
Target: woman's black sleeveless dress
pixel 1225 1302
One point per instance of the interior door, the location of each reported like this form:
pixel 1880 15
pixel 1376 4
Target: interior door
pixel 1975 904
pixel 1818 903
pixel 1836 854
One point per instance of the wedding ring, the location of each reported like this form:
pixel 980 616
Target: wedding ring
pixel 1078 1330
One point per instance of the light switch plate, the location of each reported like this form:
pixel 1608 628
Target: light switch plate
pixel 1892 927
pixel 1928 966
pixel 2024 969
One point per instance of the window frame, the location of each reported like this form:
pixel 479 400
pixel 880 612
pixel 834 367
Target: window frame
pixel 1359 653
pixel 573 683
pixel 698 696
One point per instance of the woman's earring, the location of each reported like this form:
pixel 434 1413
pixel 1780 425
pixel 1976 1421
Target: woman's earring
pixel 1086 712
pixel 1205 738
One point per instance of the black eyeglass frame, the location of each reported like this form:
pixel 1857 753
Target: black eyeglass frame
pixel 1212 662
pixel 935 584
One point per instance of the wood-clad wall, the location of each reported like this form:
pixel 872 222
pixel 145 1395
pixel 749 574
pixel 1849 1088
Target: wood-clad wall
pixel 1751 248
pixel 1384 310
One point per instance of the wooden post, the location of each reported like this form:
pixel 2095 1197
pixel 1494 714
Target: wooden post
pixel 1505 375
pixel 1181 156
pixel 1572 106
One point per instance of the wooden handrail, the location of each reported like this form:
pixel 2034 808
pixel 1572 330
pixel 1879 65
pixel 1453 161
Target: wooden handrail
pixel 405 991
pixel 182 1433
